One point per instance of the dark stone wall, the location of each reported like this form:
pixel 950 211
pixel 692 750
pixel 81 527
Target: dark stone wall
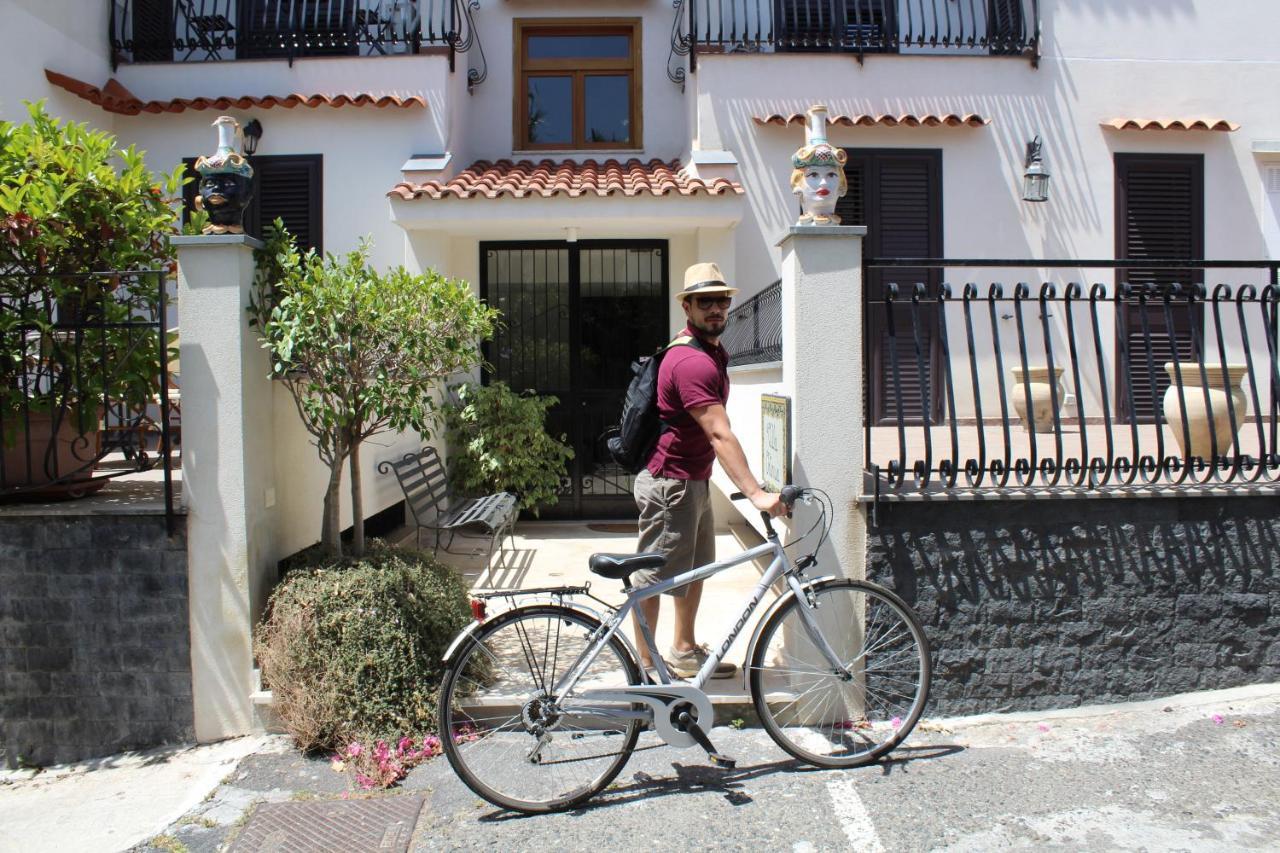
pixel 95 651
pixel 1055 603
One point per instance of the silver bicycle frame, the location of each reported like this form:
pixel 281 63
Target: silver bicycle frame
pixel 776 569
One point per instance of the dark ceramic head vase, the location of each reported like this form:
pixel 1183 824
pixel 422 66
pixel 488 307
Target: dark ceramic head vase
pixel 226 181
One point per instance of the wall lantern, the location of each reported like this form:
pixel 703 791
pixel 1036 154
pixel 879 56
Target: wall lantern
pixel 1035 180
pixel 252 133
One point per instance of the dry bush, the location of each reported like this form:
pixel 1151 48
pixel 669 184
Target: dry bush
pixel 352 647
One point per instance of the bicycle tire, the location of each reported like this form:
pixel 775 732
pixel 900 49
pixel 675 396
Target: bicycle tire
pixel 857 725
pixel 505 663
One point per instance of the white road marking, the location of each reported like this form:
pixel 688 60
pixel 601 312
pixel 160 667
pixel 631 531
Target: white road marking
pixel 853 816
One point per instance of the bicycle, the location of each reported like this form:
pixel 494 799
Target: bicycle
pixel 542 705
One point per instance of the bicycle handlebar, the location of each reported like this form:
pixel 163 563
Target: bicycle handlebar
pixel 787 495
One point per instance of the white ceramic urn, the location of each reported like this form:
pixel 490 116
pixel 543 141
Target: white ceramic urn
pixel 1037 379
pixel 1198 413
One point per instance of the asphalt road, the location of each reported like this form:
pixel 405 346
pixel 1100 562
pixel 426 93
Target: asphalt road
pixel 1198 772
pixel 1201 775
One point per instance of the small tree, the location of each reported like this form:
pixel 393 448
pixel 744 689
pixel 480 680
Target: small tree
pixel 360 351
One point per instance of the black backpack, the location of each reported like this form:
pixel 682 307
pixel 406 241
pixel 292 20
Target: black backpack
pixel 631 443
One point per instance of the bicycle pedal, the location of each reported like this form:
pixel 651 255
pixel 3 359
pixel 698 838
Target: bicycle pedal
pixel 722 761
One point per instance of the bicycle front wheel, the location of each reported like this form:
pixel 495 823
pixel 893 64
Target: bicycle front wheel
pixel 503 724
pixel 855 715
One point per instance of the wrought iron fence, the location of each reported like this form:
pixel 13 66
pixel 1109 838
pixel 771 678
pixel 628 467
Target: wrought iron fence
pixel 985 27
pixel 1149 383
pixel 211 30
pixel 753 334
pixel 85 390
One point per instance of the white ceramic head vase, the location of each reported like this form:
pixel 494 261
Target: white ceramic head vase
pixel 819 177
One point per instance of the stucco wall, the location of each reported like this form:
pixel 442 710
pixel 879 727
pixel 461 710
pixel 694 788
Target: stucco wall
pixel 70 33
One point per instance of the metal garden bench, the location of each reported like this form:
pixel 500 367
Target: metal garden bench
pixel 434 506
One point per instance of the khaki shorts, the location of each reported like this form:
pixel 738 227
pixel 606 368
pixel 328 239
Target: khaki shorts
pixel 675 520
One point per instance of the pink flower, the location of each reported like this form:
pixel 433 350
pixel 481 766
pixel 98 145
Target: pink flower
pixel 896 722
pixel 354 749
pixel 365 782
pixel 1044 727
pixel 1217 719
pixel 406 744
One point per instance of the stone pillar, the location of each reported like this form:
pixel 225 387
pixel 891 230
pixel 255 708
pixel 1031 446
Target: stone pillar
pixel 822 355
pixel 228 485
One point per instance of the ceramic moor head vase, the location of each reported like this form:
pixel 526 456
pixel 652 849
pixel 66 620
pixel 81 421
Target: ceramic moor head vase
pixel 818 172
pixel 226 181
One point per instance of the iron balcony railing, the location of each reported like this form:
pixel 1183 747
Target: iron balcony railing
pixel 213 30
pixel 753 334
pixel 85 385
pixel 950 27
pixel 1162 385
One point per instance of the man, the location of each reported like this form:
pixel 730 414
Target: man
pixel 673 491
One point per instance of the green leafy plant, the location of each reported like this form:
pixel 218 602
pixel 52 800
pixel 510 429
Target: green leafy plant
pixel 498 441
pixel 77 211
pixel 351 647
pixel 361 351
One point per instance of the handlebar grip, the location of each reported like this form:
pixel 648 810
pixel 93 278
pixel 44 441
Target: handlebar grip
pixel 789 494
pixel 737 496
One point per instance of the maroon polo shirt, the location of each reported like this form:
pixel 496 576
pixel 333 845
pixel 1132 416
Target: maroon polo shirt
pixel 688 378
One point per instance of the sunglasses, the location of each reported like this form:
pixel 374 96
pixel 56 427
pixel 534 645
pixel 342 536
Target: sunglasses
pixel 705 302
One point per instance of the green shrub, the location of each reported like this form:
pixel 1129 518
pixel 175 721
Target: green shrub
pixel 498 442
pixel 351 647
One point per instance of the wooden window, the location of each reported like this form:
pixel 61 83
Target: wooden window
pixel 1159 214
pixel 577 84
pixel 287 186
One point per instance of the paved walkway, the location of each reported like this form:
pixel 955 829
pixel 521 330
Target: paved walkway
pixel 552 553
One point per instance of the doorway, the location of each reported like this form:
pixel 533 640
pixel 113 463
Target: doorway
pixel 574 318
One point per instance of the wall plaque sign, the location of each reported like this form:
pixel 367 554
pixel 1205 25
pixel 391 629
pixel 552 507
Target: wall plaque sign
pixel 775 441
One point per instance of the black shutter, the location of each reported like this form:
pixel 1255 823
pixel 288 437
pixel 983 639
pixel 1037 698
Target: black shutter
pixel 1006 26
pixel 898 195
pixel 1159 214
pixel 865 25
pixel 287 186
pixel 288 28
pixel 152 30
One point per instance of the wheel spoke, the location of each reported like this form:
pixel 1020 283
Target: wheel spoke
pixel 835 719
pixel 495 699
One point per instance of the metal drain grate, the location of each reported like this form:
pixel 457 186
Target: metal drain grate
pixel 375 825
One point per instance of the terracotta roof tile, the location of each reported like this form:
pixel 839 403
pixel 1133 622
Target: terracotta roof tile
pixel 115 98
pixel 1171 124
pixel 882 119
pixel 547 178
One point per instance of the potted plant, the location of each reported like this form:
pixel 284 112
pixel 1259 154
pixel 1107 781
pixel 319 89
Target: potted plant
pixel 84 250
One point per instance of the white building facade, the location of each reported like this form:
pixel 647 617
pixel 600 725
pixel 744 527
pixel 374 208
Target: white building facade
pixel 571 159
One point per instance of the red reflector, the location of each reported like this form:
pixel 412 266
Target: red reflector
pixel 477 609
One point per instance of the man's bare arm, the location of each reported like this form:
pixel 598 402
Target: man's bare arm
pixel 715 424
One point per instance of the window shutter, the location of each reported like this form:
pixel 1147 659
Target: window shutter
pixel 1006 26
pixel 897 195
pixel 1159 214
pixel 288 187
pixel 904 192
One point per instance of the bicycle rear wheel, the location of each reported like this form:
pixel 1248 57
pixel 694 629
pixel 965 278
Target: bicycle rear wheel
pixel 498 700
pixel 843 719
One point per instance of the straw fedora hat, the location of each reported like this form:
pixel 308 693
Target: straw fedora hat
pixel 704 278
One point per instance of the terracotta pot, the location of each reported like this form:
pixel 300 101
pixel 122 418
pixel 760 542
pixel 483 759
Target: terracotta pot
pixel 1041 419
pixel 1197 417
pixel 71 450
